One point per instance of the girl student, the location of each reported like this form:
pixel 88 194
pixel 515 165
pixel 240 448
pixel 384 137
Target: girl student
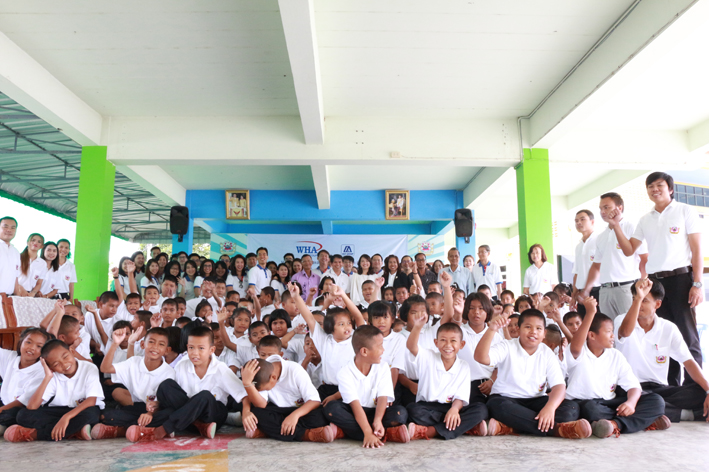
pixel 239 280
pixel 138 259
pixel 206 270
pixel 280 278
pixel 151 277
pixel 173 268
pixel 45 270
pixel 29 286
pixel 189 276
pixel 66 273
pixel 124 278
pixel 221 271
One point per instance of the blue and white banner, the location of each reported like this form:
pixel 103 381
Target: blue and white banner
pixel 345 245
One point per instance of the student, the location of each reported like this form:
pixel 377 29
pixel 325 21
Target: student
pixel 541 275
pixel 106 315
pixel 206 293
pixel 595 369
pixel 365 384
pixel 507 296
pixel 312 362
pixel 513 326
pixel 141 376
pixel 244 353
pixel 125 276
pixel 151 276
pixel 649 342
pixel 292 411
pixel 70 395
pixel 442 407
pixel 152 298
pixel 28 286
pixel 381 316
pixel 21 373
pixel 572 320
pixel 585 254
pixel 291 339
pixel 518 401
pixel 67 328
pixel 206 270
pixel 364 273
pixel 266 299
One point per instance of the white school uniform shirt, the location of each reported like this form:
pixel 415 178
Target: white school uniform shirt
pixel 520 375
pixel 354 385
pixel 294 386
pixel 259 277
pixel 27 281
pixel 90 323
pixel 584 257
pixel 540 279
pixel 140 382
pixel 667 236
pixel 334 355
pixel 615 266
pixel 342 280
pixel 592 377
pixel 198 281
pixel 317 271
pixel 18 384
pixel 394 351
pixel 492 277
pixel 355 287
pixel 84 349
pixel 245 353
pixel 240 286
pixel 191 306
pixel 66 275
pixel 471 338
pixel 124 282
pixel 145 282
pixel 70 392
pixel 278 287
pixel 649 353
pixel 219 380
pixel 228 357
pixel 315 373
pixel 295 351
pixel 119 356
pixel 267 310
pixel 9 267
pixel 436 384
pixel 38 270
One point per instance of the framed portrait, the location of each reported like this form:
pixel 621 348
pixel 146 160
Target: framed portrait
pixel 397 204
pixel 238 205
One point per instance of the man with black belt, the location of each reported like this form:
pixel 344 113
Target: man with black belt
pixel 585 255
pixel 673 234
pixel 610 267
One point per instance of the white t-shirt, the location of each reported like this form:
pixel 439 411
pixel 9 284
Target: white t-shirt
pixel 9 267
pixel 492 277
pixel 471 338
pixel 278 287
pixel 540 280
pixel 18 384
pixel 259 278
pixel 140 382
pixel 592 377
pixel 65 276
pixel 334 355
pixel 520 375
pixel 354 385
pixel 219 380
pixel 125 284
pixel 70 392
pixel 294 386
pixel 585 255
pixel 191 306
pixel 394 350
pixel 237 285
pixel 84 349
pixel 615 266
pixel 49 276
pixel 436 384
pixel 649 353
pixel 315 373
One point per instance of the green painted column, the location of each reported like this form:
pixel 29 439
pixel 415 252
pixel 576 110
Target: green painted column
pixel 534 205
pixel 93 222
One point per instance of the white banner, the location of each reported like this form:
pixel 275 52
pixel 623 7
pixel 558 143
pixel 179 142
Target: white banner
pixel 345 245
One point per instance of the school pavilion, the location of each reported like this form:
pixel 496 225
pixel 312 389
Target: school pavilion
pixel 524 111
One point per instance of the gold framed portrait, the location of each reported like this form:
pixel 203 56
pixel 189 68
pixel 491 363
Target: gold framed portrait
pixel 238 205
pixel 397 204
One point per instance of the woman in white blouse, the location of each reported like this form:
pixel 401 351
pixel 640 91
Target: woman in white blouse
pixel 45 270
pixel 364 273
pixel 66 274
pixel 30 286
pixel 540 276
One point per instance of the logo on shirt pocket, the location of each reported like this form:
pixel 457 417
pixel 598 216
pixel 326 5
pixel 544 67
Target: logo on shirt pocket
pixel 674 229
pixel 612 389
pixel 80 401
pixel 151 398
pixel 592 257
pixel 299 402
pixel 661 359
pixel 449 399
pixel 66 277
pixel 541 387
pixel 617 246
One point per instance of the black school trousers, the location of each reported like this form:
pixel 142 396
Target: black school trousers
pixel 325 390
pixel 678 398
pixel 649 408
pixel 675 308
pixel 434 414
pixel 519 413
pixel 341 414
pixel 271 418
pixel 127 416
pixel 185 410
pixel 9 417
pixel 595 293
pixel 45 418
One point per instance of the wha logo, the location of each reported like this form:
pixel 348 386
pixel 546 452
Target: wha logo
pixel 307 247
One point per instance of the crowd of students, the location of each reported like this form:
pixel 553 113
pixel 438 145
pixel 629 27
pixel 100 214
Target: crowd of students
pixel 378 351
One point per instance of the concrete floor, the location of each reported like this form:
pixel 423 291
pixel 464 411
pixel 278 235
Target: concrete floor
pixel 682 448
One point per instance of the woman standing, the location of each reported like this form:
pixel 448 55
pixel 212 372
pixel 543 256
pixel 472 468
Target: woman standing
pixel 364 273
pixel 66 274
pixel 540 276
pixel 469 262
pixel 151 276
pixel 30 287
pixel 45 268
pixel 280 280
pixel 238 275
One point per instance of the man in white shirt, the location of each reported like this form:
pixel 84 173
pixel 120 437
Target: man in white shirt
pixel 486 272
pixel 461 276
pixel 324 263
pixel 585 255
pixel 335 271
pixel 9 256
pixel 259 276
pixel 610 267
pixel 378 265
pixel 674 239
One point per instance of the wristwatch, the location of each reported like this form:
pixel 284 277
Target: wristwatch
pixel 697 284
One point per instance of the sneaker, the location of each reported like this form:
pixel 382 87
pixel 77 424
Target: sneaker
pixel 255 434
pixel 660 424
pixel 103 431
pixel 140 434
pixel 17 433
pixel 325 434
pixel 605 429
pixel 207 430
pixel 84 434
pixel 234 419
pixel 339 434
pixel 397 434
pixel 578 429
pixel 479 429
pixel 495 428
pixel 416 431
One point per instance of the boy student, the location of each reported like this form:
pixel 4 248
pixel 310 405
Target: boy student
pixel 649 342
pixel 207 293
pixel 266 300
pixel 244 352
pixel 518 402
pixel 366 387
pixel 71 396
pixel 141 376
pixel 292 411
pixel 107 315
pixel 572 320
pixel 168 313
pixel 152 297
pixel 595 369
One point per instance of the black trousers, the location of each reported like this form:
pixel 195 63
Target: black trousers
pixel 434 414
pixel 476 396
pixel 648 409
pixel 675 308
pixel 595 293
pixel 341 414
pixel 9 417
pixel 325 390
pixel 404 396
pixel 45 418
pixel 185 410
pixel 128 416
pixel 271 418
pixel 519 413
pixel 678 398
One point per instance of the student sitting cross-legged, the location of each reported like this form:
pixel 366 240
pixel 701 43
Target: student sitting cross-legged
pixel 595 369
pixel 518 401
pixel 365 384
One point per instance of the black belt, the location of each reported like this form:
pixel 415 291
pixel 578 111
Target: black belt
pixel 672 273
pixel 617 284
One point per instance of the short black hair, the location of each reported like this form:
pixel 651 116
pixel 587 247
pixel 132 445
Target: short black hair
pixel 589 213
pixel 571 314
pixel 270 291
pixel 598 321
pixel 170 302
pixel 408 303
pixel 328 324
pixel 335 256
pixel 257 324
pixel 108 296
pixel 380 309
pixel 553 296
pixel 264 373
pixel 260 249
pixel 348 258
pixel 655 176
pixel 133 296
pixel 170 278
pixel 270 341
pixel 202 332
pixel 51 345
pixel 363 337
pixel 657 291
pixel 122 324
pixel 180 301
pixel 451 328
pixel 617 199
pixel 434 296
pixel 67 323
pixel 158 332
pixel 532 313
pixel 279 314
pixel 484 287
pixel 173 338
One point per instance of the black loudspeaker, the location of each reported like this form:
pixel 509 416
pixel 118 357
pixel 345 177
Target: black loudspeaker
pixel 179 221
pixel 463 220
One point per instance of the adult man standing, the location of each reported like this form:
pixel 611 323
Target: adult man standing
pixel 378 265
pixel 9 256
pixel 259 276
pixel 585 255
pixel 673 234
pixel 425 274
pixel 341 279
pixel 462 277
pixel 306 277
pixel 486 272
pixel 324 263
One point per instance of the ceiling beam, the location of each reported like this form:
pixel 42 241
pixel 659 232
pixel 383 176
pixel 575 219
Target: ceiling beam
pixel 156 181
pixel 698 138
pixel 298 18
pixel 483 183
pixel 321 183
pixel 600 186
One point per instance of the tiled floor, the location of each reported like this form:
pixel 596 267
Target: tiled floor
pixel 683 448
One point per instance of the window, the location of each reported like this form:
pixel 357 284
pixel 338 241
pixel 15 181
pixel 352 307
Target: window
pixel 691 195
